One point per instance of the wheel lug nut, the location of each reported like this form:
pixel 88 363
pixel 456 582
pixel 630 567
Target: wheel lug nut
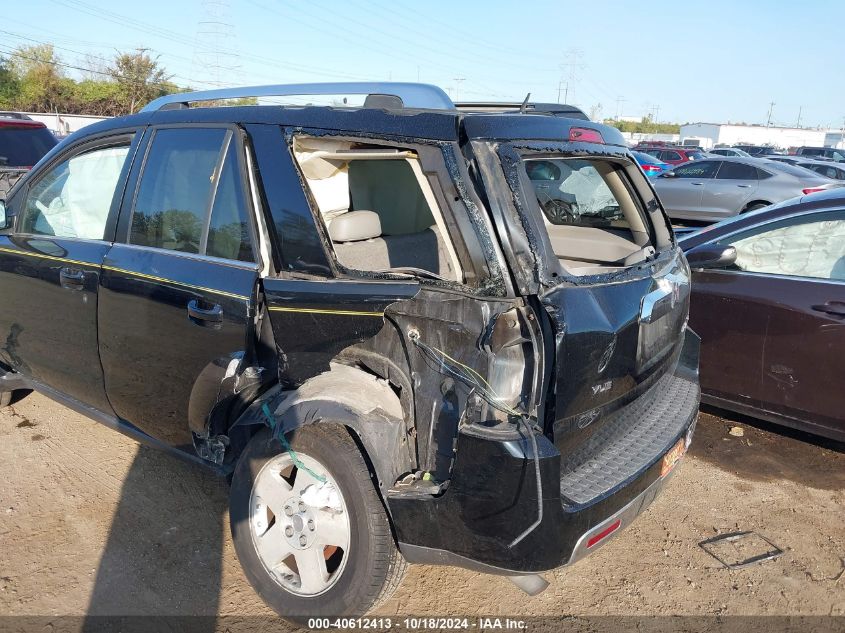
pixel 288 531
pixel 301 506
pixel 311 524
pixel 288 511
pixel 303 540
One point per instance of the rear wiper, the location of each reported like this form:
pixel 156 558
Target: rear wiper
pixel 411 271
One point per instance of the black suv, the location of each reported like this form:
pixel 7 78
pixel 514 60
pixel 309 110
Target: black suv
pixel 407 333
pixel 23 142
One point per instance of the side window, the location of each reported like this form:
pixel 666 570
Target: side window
pixel 811 247
pixel 736 171
pixel 73 199
pixel 378 206
pixel 190 197
pixel 229 233
pixel 697 169
pixel 670 155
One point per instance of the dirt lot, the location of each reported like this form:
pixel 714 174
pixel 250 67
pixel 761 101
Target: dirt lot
pixel 93 523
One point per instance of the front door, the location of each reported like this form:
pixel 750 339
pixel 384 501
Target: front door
pixel 50 265
pixel 783 309
pixel 681 195
pixel 732 188
pixel 178 290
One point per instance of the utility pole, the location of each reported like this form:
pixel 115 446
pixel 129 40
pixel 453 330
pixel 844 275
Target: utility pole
pixel 769 119
pixel 655 111
pixel 619 101
pixel 458 81
pixel 798 123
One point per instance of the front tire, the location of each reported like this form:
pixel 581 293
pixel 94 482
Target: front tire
pixel 312 548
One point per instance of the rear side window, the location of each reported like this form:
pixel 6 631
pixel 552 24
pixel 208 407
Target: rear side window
pixel 24 146
pixel 670 156
pixel 190 198
pixel 736 171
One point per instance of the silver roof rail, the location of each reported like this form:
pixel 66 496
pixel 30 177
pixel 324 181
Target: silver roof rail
pixel 411 95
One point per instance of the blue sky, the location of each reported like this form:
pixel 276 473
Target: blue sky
pixel 683 61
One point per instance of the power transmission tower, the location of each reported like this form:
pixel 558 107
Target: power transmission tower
pixel 769 119
pixel 216 60
pixel 458 81
pixel 570 67
pixel 798 122
pixel 619 101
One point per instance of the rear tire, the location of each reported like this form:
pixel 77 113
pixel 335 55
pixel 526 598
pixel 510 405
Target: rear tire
pixel 755 206
pixel 352 584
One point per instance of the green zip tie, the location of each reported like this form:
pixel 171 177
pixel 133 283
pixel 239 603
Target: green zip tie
pixel 281 437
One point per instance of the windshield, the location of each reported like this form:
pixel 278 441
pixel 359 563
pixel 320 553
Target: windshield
pixel 24 146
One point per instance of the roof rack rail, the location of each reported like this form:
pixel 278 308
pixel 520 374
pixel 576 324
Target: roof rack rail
pixel 387 95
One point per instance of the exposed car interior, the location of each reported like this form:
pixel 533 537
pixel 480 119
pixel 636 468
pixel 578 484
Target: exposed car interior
pixel 378 207
pixel 591 216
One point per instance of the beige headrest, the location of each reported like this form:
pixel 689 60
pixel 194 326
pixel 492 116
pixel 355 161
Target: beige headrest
pixel 355 226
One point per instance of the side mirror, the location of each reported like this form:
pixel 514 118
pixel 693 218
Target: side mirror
pixel 709 256
pixel 4 221
pixel 668 174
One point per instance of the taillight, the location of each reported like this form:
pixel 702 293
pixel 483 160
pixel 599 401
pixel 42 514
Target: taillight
pixel 585 135
pixel 813 190
pixel 650 168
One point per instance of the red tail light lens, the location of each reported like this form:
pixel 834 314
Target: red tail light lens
pixel 585 135
pixel 813 190
pixel 651 168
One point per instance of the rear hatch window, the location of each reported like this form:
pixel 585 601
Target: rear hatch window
pixel 23 146
pixel 589 209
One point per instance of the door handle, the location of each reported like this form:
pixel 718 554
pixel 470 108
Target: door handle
pixel 744 186
pixel 202 316
pixel 697 184
pixel 71 278
pixel 834 308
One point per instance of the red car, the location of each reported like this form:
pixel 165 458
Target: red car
pixel 673 155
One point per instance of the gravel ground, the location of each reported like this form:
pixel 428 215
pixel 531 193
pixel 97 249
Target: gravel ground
pixel 93 523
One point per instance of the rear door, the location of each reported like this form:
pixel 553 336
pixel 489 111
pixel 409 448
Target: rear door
pixel 178 286
pixel 732 188
pixel 50 267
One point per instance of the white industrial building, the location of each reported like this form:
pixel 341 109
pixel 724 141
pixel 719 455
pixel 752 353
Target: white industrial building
pixel 709 135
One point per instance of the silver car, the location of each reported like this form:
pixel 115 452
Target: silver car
pixel 717 188
pixel 826 168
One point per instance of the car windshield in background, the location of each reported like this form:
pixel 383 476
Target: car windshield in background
pixel 24 146
pixel 573 191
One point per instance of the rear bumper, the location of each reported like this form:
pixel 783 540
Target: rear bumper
pixel 492 497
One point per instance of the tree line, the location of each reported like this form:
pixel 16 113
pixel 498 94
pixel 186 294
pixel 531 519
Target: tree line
pixel 36 79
